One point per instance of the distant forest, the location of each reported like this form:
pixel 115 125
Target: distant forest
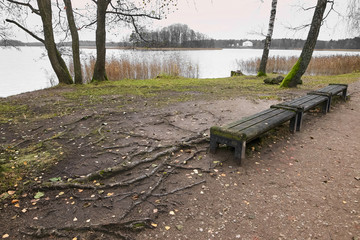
pixel 181 36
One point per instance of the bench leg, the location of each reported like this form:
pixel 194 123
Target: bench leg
pixel 293 123
pixel 325 107
pixel 213 144
pixel 344 94
pixel 329 103
pixel 240 151
pixel 299 121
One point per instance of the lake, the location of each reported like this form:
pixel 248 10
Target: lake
pixel 28 68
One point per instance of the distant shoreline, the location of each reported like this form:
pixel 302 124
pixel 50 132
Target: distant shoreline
pixel 193 49
pixel 152 49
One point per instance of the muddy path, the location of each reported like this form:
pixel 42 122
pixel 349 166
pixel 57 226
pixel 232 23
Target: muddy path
pixel 144 172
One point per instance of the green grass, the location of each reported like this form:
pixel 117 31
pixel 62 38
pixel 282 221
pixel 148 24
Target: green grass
pixel 246 86
pixel 21 166
pixel 9 111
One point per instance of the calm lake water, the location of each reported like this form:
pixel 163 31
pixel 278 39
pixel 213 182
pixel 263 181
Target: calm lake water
pixel 29 69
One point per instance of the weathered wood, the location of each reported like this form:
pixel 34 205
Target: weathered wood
pixel 238 133
pixel 304 104
pixel 330 91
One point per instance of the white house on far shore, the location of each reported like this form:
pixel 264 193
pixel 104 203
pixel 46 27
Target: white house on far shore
pixel 247 44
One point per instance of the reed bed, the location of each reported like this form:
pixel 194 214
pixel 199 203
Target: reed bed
pixel 127 66
pixel 325 65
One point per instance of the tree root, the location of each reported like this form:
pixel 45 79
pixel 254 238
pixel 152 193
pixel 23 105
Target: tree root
pixel 178 189
pixel 108 228
pixel 125 166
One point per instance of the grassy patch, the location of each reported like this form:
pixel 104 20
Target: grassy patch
pixel 21 166
pixel 169 89
pixel 10 111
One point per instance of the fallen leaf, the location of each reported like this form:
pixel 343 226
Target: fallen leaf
pixel 11 192
pixel 86 205
pixel 155 210
pixel 154 224
pixel 135 197
pixel 75 219
pixel 61 193
pixel 80 190
pixel 17 205
pixel 88 220
pixel 24 210
pixel 39 195
pixel 5 235
pixel 14 201
pixel 179 227
pixel 55 179
pixel 172 213
pixel 167 227
pixel 110 194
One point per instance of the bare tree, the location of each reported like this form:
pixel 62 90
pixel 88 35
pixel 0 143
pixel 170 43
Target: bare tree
pixel 99 69
pixel 57 62
pixel 294 76
pixel 75 42
pixel 126 12
pixel 264 58
pixel 44 10
pixel 353 16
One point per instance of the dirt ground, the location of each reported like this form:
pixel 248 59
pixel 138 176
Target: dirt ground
pixel 159 181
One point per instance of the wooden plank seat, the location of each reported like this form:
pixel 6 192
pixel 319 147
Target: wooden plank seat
pixel 332 90
pixel 304 104
pixel 238 133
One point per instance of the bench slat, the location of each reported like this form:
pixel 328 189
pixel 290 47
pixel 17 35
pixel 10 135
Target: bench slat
pixel 245 123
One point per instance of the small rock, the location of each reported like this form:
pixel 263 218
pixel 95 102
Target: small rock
pixel 236 73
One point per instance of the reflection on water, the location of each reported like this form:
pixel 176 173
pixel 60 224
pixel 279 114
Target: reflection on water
pixel 28 70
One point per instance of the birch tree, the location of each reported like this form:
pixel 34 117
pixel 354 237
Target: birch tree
pixel 265 55
pixel 295 74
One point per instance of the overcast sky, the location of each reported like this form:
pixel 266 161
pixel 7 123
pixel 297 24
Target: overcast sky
pixel 239 19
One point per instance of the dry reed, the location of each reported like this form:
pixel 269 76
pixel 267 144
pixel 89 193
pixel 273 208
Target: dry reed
pixel 325 65
pixel 129 67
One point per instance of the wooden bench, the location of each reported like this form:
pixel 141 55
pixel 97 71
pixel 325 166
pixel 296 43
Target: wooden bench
pixel 330 91
pixel 304 104
pixel 238 133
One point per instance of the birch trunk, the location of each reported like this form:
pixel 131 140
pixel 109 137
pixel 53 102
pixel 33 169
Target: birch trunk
pixel 264 58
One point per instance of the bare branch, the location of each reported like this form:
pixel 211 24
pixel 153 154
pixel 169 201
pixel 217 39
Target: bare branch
pixel 26 30
pixel 34 10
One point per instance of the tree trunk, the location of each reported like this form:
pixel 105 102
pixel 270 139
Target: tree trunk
pixel 57 62
pixel 75 42
pixel 99 69
pixel 294 76
pixel 264 58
